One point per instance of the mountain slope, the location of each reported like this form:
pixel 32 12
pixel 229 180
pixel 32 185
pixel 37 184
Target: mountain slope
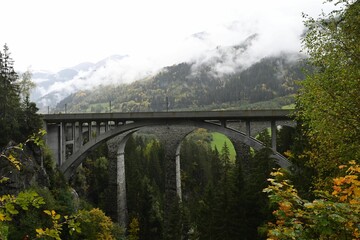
pixel 53 87
pixel 194 86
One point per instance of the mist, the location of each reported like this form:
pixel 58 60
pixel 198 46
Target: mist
pixel 241 38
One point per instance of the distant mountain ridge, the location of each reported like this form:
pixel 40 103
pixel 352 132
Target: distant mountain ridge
pixel 224 75
pixel 46 92
pixel 190 86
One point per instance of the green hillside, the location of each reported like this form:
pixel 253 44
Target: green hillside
pixel 218 141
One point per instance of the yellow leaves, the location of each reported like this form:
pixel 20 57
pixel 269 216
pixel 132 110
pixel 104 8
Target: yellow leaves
pixel 53 233
pixel 53 214
pixel 4 179
pixel 288 154
pixel 134 229
pixel 343 198
pixel 2 217
pixel 57 226
pixel 40 231
pixel 11 159
pixel 352 162
pixel 15 162
pixel 309 205
pixel 354 202
pixel 276 174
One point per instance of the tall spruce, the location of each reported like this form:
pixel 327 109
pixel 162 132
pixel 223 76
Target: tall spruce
pixel 9 99
pixel 18 116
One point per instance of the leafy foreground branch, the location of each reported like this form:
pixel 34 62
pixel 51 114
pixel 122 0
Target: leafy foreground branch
pixel 47 224
pixel 333 215
pixel 57 226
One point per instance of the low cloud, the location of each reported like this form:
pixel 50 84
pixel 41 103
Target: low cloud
pixel 228 47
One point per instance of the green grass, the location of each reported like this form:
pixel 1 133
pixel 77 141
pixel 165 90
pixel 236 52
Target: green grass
pixel 218 142
pixel 289 107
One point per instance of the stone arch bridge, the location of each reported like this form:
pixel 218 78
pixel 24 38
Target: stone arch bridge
pixel 72 136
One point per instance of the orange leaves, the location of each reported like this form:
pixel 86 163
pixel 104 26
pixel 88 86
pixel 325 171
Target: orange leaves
pixel 347 188
pixel 297 218
pixel 286 208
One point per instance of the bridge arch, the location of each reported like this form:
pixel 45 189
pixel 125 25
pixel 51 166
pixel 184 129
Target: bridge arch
pixel 74 160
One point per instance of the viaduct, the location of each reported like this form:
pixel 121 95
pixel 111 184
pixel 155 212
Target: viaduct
pixel 72 136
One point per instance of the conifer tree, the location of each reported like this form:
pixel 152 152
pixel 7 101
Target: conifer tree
pixel 18 116
pixel 9 98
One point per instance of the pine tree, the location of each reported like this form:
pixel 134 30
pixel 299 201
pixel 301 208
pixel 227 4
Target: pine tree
pixel 18 119
pixel 31 121
pixel 9 99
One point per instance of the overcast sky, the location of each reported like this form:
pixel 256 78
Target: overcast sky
pixel 54 34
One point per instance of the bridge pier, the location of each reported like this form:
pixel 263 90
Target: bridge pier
pixel 242 153
pixel 116 151
pixel 171 138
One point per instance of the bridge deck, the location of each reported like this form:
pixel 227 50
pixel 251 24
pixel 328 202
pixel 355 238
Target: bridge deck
pixel 253 115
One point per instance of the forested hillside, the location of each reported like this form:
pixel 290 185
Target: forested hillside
pixel 194 87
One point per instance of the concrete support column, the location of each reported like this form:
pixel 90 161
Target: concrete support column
pixel 273 135
pixel 248 129
pixel 178 172
pixel 106 126
pixel 62 144
pixel 170 168
pixel 171 206
pixel 121 190
pixel 73 137
pixel 90 129
pixel 98 125
pixel 52 139
pixel 80 137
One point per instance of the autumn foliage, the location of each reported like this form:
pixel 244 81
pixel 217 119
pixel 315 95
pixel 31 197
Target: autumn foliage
pixel 334 215
pixel 328 109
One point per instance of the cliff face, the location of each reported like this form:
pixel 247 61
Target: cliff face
pixel 31 173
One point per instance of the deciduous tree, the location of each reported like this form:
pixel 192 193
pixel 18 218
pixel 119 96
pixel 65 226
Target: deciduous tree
pixel 329 100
